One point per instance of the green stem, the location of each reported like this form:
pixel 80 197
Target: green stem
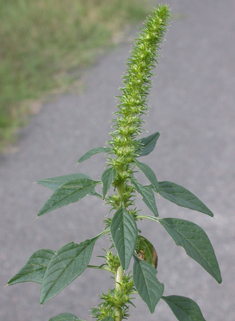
pixel 120 188
pixel 148 217
pixel 118 279
pixel 99 267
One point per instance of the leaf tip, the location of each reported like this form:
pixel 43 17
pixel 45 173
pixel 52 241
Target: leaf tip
pixel 219 279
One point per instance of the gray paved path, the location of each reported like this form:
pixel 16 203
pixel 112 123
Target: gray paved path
pixel 193 106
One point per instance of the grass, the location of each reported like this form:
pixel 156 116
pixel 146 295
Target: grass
pixel 43 41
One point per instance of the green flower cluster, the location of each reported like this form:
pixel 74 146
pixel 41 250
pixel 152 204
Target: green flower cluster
pixel 115 299
pixel 133 101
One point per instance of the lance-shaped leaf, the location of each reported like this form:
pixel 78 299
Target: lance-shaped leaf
pixel 146 251
pixel 70 192
pixel 92 152
pixel 65 317
pixel 107 179
pixel 124 234
pixel 149 173
pixel 182 197
pixel 65 266
pixel 147 144
pixel 147 195
pixel 55 182
pixel 184 308
pixel 34 269
pixel 195 242
pixel 146 283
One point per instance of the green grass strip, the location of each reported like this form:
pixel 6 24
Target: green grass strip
pixel 43 41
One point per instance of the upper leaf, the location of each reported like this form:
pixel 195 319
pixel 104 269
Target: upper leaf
pixel 195 242
pixel 70 192
pixel 147 195
pixel 147 144
pixel 146 251
pixel 65 317
pixel 124 234
pixel 65 266
pixel 34 269
pixel 182 197
pixel 184 308
pixel 149 173
pixel 146 283
pixel 107 179
pixel 55 182
pixel 92 152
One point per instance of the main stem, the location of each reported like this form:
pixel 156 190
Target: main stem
pixel 119 272
pixel 118 279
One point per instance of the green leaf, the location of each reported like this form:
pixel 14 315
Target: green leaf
pixel 184 308
pixel 55 182
pixel 107 178
pixel 195 242
pixel 147 144
pixel 65 317
pixel 70 192
pixel 149 173
pixel 65 266
pixel 182 197
pixel 146 250
pixel 124 234
pixel 146 283
pixel 92 152
pixel 94 193
pixel 34 269
pixel 147 195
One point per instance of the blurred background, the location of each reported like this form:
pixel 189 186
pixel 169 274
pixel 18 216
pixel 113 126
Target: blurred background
pixel 46 53
pixel 46 43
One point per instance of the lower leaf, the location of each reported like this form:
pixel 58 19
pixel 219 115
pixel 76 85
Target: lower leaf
pixel 184 308
pixel 195 242
pixel 146 283
pixel 124 234
pixel 34 269
pixel 65 266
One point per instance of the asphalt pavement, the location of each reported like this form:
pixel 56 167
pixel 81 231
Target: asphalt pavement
pixel 192 105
